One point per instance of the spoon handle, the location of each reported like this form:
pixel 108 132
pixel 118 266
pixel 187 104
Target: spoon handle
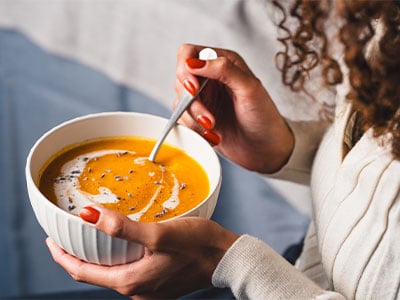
pixel 184 102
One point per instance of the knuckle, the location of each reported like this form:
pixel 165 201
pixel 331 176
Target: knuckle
pixel 180 71
pixel 224 63
pixel 115 226
pixel 158 237
pixel 76 274
pixel 223 66
pixel 127 291
pixel 130 289
pixel 255 83
pixel 127 283
pixel 182 48
pixel 177 86
pixel 184 52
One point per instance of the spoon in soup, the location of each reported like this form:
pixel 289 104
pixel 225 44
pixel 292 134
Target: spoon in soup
pixel 184 102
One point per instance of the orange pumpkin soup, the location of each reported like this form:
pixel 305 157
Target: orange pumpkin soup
pixel 115 172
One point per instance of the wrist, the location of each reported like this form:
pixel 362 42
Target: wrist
pixel 287 146
pixel 278 151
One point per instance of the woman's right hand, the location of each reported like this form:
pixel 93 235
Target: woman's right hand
pixel 234 111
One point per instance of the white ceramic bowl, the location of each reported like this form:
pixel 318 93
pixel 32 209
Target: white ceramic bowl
pixel 80 238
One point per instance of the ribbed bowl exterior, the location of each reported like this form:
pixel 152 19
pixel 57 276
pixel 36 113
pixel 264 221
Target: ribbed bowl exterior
pixel 82 239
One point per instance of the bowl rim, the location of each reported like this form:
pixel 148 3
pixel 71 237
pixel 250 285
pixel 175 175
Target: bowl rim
pixel 31 181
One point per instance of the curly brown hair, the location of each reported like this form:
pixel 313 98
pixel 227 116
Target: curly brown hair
pixel 374 80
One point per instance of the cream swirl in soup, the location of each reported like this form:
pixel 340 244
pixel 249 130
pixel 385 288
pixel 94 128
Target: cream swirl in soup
pixel 115 173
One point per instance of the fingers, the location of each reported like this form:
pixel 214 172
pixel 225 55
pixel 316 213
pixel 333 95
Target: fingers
pixel 225 71
pixel 229 68
pixel 79 270
pixel 121 278
pixel 120 226
pixel 187 79
pixel 197 114
pixel 201 123
pixel 198 118
pixel 184 52
pixel 154 236
pixel 233 86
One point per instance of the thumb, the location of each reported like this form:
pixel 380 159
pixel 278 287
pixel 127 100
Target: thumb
pixel 119 225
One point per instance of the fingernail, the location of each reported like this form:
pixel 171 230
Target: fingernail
pixel 89 214
pixel 189 86
pixel 195 63
pixel 204 121
pixel 211 137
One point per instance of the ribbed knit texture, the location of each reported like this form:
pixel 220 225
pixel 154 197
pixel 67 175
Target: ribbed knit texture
pixel 260 271
pixel 353 244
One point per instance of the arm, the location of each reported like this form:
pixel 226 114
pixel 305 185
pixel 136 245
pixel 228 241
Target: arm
pixel 188 254
pixel 255 271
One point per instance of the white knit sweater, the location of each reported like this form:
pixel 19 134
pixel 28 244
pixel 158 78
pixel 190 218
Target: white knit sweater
pixel 352 248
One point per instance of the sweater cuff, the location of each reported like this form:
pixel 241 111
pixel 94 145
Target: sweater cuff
pixel 253 270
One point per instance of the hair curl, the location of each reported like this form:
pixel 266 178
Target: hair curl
pixel 374 80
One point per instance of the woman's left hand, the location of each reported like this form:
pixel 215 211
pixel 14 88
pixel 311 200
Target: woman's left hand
pixel 180 256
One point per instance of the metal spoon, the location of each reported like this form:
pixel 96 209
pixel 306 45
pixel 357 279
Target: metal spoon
pixel 184 102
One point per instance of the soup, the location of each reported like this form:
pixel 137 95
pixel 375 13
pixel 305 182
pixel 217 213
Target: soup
pixel 115 172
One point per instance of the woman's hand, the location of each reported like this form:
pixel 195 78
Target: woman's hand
pixel 234 112
pixel 180 255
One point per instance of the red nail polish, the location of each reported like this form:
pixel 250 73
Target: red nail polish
pixel 89 214
pixel 204 121
pixel 189 87
pixel 211 137
pixel 195 63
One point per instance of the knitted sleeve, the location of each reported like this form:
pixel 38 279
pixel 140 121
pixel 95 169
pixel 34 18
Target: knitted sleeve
pixel 255 271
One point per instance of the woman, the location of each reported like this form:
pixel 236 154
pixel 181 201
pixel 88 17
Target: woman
pixel 352 249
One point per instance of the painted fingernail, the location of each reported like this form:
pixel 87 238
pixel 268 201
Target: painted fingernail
pixel 195 63
pixel 211 137
pixel 189 86
pixel 90 214
pixel 204 121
